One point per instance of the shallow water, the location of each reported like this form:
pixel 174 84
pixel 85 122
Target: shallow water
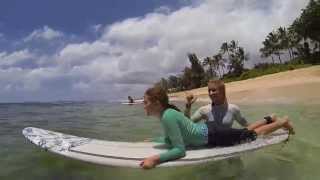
pixel 298 159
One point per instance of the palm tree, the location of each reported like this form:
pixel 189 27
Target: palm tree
pixel 219 63
pixel 196 69
pixel 224 48
pixel 293 40
pixel 273 38
pixel 284 40
pixel 307 25
pixel 236 57
pixel 187 78
pixel 267 49
pixel 172 82
pixel 233 46
pixel 208 61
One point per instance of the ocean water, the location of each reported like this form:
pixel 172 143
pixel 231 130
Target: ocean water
pixel 298 159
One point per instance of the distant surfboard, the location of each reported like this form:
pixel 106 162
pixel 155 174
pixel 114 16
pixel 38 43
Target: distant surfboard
pixel 130 154
pixel 134 103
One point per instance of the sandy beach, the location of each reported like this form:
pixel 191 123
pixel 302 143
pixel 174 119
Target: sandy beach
pixel 295 86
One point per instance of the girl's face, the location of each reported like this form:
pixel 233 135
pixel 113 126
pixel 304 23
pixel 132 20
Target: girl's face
pixel 149 106
pixel 216 94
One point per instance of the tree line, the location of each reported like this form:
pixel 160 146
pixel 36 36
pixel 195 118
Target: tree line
pixel 301 39
pixel 297 44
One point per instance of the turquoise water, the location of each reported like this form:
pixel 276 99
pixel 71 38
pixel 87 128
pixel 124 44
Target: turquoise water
pixel 21 160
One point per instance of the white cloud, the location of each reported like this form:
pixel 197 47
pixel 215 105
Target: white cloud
pixel 132 54
pixel 163 10
pixel 15 59
pixel 46 33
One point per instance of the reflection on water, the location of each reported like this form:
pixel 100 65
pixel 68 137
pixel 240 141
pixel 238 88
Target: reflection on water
pixel 21 160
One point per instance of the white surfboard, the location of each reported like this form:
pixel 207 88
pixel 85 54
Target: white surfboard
pixel 130 154
pixel 134 103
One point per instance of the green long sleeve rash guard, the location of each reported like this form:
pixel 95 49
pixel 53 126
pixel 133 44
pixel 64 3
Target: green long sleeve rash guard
pixel 179 132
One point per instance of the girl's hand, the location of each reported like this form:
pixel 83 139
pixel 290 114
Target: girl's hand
pixel 190 99
pixel 150 162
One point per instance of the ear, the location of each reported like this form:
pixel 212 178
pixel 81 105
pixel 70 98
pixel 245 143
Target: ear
pixel 157 102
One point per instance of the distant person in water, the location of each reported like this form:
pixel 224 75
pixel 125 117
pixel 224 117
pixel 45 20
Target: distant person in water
pixel 219 110
pixel 130 99
pixel 180 132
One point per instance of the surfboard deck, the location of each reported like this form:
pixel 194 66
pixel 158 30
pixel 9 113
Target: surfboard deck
pixel 130 154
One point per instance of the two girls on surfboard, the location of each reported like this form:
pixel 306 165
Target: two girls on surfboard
pixel 181 132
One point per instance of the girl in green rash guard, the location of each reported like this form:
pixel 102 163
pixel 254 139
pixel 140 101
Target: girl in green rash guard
pixel 180 132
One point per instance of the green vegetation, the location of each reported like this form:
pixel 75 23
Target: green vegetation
pixel 288 48
pixel 264 69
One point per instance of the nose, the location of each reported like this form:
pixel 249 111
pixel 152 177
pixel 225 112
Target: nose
pixel 212 93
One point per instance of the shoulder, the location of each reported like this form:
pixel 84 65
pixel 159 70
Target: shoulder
pixel 205 108
pixel 233 108
pixel 171 114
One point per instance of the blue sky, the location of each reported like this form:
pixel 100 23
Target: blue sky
pixel 72 16
pixel 102 50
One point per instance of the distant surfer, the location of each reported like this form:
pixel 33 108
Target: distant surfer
pixel 130 99
pixel 181 132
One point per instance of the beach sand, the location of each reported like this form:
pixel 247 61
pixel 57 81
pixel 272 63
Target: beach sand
pixel 295 86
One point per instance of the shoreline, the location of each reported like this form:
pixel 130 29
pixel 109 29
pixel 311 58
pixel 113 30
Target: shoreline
pixel 295 86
